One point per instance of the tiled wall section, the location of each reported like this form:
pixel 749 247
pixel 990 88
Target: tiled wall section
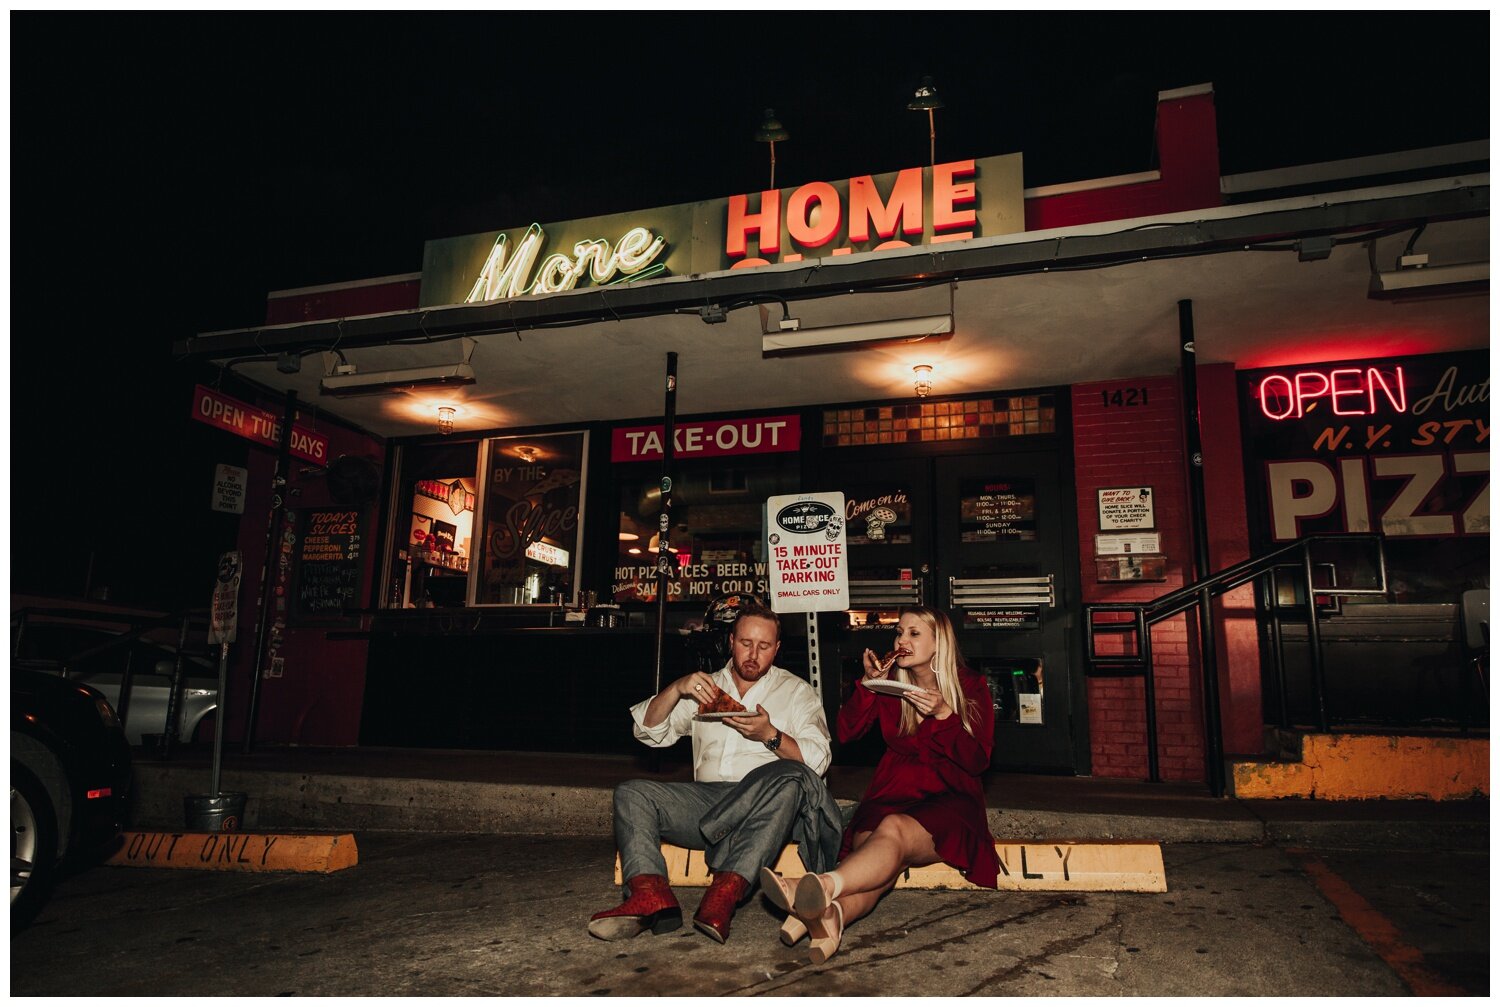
pixel 998 416
pixel 1116 444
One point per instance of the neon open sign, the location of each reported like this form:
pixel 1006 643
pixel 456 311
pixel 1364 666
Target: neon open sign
pixel 1350 391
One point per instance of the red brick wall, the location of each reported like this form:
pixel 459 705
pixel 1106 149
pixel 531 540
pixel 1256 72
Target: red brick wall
pixel 1141 445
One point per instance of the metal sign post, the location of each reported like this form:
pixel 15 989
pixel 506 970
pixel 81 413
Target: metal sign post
pixel 217 811
pixel 665 558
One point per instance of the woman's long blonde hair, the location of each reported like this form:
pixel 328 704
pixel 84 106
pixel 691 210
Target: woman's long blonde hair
pixel 945 664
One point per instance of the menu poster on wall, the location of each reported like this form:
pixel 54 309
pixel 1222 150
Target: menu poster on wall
pixel 329 559
pixel 997 510
pixel 1126 509
pixel 877 515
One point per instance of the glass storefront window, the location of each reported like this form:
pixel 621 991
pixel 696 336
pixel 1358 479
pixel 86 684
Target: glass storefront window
pixel 530 550
pixel 717 507
pixel 434 528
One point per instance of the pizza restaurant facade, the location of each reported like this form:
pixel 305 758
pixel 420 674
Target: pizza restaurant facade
pixel 993 377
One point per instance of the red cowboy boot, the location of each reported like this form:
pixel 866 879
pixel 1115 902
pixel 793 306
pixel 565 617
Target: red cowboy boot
pixel 719 903
pixel 651 906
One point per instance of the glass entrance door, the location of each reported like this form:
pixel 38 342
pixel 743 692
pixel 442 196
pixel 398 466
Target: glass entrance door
pixel 1005 567
pixel 989 539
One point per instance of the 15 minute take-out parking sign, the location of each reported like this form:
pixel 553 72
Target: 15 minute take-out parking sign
pixel 809 561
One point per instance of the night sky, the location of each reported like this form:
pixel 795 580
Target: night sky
pixel 167 171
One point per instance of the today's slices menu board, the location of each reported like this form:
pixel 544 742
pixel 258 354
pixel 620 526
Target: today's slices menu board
pixel 328 554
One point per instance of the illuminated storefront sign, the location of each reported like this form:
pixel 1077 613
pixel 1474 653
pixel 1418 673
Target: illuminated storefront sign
pixel 258 425
pixel 508 273
pixel 1350 391
pixel 549 554
pixel 813 215
pixel 898 209
pixel 710 438
pixel 1397 448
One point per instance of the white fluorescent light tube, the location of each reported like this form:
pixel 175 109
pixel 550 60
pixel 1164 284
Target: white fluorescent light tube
pixel 378 382
pixel 1409 281
pixel 835 336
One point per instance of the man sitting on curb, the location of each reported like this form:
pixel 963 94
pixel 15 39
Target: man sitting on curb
pixel 757 783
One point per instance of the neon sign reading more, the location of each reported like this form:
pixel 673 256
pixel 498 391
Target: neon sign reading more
pixel 508 273
pixel 1351 391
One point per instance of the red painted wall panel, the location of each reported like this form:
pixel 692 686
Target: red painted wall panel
pixel 318 699
pixel 1187 143
pixel 343 302
pixel 1141 445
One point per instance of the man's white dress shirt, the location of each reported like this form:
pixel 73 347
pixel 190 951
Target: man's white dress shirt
pixel 720 753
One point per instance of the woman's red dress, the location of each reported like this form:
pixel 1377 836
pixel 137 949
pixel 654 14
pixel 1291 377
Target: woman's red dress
pixel 932 775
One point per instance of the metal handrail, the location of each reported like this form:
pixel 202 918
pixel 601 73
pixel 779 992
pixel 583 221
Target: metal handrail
pixel 1201 594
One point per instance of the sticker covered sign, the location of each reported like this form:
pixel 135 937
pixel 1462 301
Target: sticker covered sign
pixel 809 562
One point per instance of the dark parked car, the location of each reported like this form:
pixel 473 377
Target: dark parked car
pixel 70 779
pixel 52 643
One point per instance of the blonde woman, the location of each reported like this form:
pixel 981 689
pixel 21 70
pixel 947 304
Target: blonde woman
pixel 925 803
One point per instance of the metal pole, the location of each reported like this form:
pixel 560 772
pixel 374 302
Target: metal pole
pixel 1153 762
pixel 263 620
pixel 174 697
pixel 1213 741
pixel 1314 639
pixel 1278 658
pixel 219 723
pixel 664 558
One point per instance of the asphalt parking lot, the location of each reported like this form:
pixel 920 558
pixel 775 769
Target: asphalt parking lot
pixel 496 915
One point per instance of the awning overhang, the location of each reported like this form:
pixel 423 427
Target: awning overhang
pixel 1038 308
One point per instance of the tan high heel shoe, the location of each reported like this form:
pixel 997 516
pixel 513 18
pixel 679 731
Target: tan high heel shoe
pixel 781 893
pixel 792 931
pixel 827 932
pixel 810 900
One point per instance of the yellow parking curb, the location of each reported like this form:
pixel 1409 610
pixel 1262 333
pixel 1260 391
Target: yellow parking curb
pixel 238 851
pixel 1042 866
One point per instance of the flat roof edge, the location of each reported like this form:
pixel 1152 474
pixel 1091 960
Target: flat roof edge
pixel 1193 232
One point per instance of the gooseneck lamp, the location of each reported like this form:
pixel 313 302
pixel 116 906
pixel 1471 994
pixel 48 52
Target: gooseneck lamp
pixel 771 130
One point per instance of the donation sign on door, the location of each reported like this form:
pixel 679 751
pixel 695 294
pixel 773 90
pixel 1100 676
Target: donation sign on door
pixel 809 564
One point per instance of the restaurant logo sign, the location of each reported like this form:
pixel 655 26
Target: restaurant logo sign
pixel 511 272
pixel 1393 446
pixel 924 206
pixel 869 213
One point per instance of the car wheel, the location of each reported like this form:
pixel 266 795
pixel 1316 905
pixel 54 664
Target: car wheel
pixel 33 845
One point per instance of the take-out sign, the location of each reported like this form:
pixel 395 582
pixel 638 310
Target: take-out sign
pixel 710 438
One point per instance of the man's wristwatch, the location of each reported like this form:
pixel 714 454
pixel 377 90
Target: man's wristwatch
pixel 775 742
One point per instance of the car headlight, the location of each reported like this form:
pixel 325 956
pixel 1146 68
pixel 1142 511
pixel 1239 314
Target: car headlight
pixel 106 712
pixel 200 692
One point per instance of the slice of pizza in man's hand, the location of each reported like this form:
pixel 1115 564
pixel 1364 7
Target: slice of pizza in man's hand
pixel 722 703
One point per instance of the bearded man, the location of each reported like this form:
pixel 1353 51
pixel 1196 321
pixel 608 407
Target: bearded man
pixel 757 783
